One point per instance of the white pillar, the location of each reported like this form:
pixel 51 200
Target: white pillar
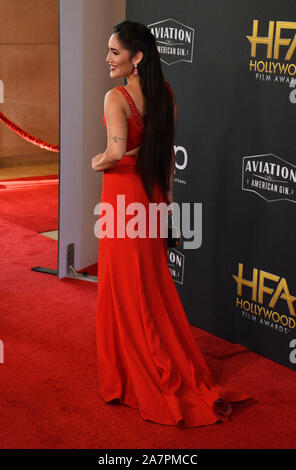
pixel 85 28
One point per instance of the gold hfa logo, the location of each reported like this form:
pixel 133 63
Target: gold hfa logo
pixel 259 288
pixel 274 39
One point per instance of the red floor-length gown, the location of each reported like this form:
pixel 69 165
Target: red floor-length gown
pixel 148 358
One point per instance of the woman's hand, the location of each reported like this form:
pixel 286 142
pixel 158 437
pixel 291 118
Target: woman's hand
pixel 95 160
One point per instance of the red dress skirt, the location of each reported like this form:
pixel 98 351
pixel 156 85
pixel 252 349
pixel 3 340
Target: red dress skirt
pixel 147 356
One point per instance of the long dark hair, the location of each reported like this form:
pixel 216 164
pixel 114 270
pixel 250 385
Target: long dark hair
pixel 155 153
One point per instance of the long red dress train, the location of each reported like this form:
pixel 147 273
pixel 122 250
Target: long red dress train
pixel 147 355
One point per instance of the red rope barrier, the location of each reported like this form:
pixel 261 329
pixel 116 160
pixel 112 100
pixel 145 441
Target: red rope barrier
pixel 25 135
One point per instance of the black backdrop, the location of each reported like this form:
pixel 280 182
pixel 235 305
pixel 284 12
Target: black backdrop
pixel 235 151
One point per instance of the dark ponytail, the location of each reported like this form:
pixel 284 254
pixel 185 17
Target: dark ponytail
pixel 155 153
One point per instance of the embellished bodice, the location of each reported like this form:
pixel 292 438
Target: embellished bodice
pixel 135 121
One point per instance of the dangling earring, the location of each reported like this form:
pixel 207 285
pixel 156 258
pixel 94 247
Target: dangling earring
pixel 135 69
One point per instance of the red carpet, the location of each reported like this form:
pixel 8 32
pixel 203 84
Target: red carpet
pixel 31 201
pixel 48 382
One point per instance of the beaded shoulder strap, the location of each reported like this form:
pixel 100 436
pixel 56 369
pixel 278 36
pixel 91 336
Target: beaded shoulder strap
pixel 133 108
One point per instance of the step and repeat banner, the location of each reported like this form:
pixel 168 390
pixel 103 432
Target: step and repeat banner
pixel 232 66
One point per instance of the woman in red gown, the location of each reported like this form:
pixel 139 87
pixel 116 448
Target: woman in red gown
pixel 148 358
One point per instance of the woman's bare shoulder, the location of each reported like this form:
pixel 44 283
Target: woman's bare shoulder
pixel 114 98
pixel 113 91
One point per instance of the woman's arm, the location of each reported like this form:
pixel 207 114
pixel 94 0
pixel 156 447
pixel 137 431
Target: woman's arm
pixel 103 161
pixel 117 127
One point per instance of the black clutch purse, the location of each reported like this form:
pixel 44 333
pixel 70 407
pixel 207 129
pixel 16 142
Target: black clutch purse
pixel 174 235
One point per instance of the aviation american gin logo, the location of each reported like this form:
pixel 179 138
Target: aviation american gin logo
pixel 270 177
pixel 174 41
